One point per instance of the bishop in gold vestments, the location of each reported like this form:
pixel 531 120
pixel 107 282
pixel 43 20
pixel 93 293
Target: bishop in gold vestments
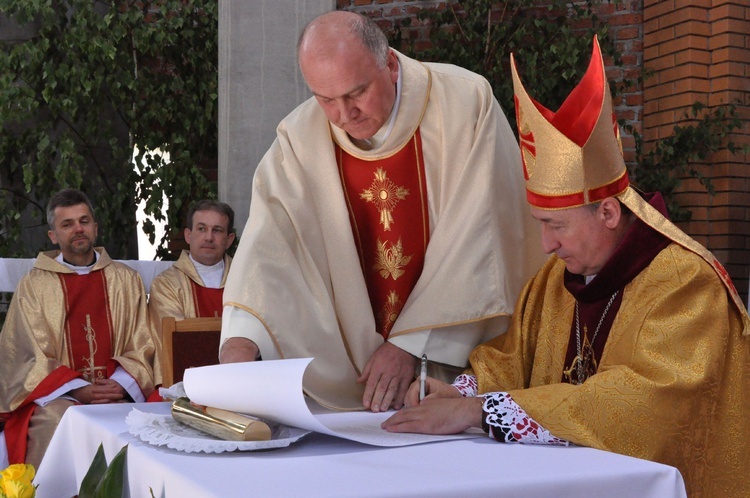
pixel 631 338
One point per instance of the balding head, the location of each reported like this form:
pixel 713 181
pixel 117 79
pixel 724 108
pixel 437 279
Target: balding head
pixel 340 29
pixel 350 70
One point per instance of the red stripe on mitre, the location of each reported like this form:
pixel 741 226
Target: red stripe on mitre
pixel 576 199
pixel 580 112
pixel 554 201
pixel 610 189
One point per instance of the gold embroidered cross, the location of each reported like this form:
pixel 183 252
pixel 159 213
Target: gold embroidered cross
pixel 385 195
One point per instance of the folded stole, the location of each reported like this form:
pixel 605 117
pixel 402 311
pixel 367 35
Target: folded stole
pixel 207 301
pixel 387 203
pixel 88 323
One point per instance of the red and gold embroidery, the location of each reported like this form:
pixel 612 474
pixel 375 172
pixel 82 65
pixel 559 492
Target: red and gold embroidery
pixel 385 195
pixel 88 324
pixel 390 311
pixel 390 224
pixel 391 260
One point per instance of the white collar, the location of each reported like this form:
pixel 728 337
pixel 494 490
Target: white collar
pixel 81 270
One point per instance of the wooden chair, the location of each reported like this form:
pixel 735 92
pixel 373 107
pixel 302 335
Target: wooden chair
pixel 192 342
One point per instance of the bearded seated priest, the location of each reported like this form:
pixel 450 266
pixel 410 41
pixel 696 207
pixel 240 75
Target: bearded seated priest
pixel 77 332
pixel 631 338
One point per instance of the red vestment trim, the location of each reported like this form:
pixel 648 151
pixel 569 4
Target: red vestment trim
pixel 88 323
pixel 387 202
pixel 17 426
pixel 207 301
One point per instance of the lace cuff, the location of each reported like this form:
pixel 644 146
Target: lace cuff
pixel 466 385
pixel 507 422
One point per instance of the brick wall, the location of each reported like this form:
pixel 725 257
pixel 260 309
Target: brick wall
pixel 698 50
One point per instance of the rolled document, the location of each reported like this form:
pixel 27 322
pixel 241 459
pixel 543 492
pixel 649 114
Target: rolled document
pixel 222 424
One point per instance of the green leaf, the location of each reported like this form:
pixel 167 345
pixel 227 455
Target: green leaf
pixel 112 482
pixel 93 475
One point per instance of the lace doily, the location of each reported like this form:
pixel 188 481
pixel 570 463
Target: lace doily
pixel 172 393
pixel 163 430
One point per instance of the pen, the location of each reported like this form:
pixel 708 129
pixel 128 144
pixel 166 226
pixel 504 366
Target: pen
pixel 422 377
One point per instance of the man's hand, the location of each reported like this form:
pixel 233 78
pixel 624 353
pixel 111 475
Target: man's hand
pixel 437 416
pixel 100 392
pixel 387 373
pixel 237 350
pixel 433 388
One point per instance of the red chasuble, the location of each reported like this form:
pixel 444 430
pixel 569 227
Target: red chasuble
pixel 207 302
pixel 387 202
pixel 88 323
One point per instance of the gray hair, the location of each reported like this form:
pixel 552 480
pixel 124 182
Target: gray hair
pixel 66 198
pixel 364 29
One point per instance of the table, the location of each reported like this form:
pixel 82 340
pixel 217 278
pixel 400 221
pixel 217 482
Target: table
pixel 320 465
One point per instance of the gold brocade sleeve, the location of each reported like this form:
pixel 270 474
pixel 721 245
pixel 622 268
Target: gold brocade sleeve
pixel 170 295
pixel 133 347
pixel 671 378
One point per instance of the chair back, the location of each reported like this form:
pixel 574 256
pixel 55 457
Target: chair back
pixel 192 342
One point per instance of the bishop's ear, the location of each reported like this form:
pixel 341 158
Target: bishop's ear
pixel 610 212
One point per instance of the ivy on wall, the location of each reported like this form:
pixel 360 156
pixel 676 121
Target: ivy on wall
pixel 97 86
pixel 551 41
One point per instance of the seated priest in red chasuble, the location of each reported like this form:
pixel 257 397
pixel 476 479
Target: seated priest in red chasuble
pixel 631 338
pixel 77 332
pixel 194 285
pixel 387 222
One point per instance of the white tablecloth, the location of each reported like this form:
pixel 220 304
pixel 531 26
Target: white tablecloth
pixel 320 465
pixel 13 269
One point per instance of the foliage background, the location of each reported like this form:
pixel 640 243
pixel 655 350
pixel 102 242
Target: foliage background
pixel 551 41
pixel 96 81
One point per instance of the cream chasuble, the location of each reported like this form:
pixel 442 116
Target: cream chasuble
pixel 298 270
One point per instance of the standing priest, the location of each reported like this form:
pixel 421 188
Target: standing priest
pixel 387 222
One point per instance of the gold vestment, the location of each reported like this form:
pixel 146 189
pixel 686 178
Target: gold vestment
pixel 171 295
pixel 33 340
pixel 671 381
